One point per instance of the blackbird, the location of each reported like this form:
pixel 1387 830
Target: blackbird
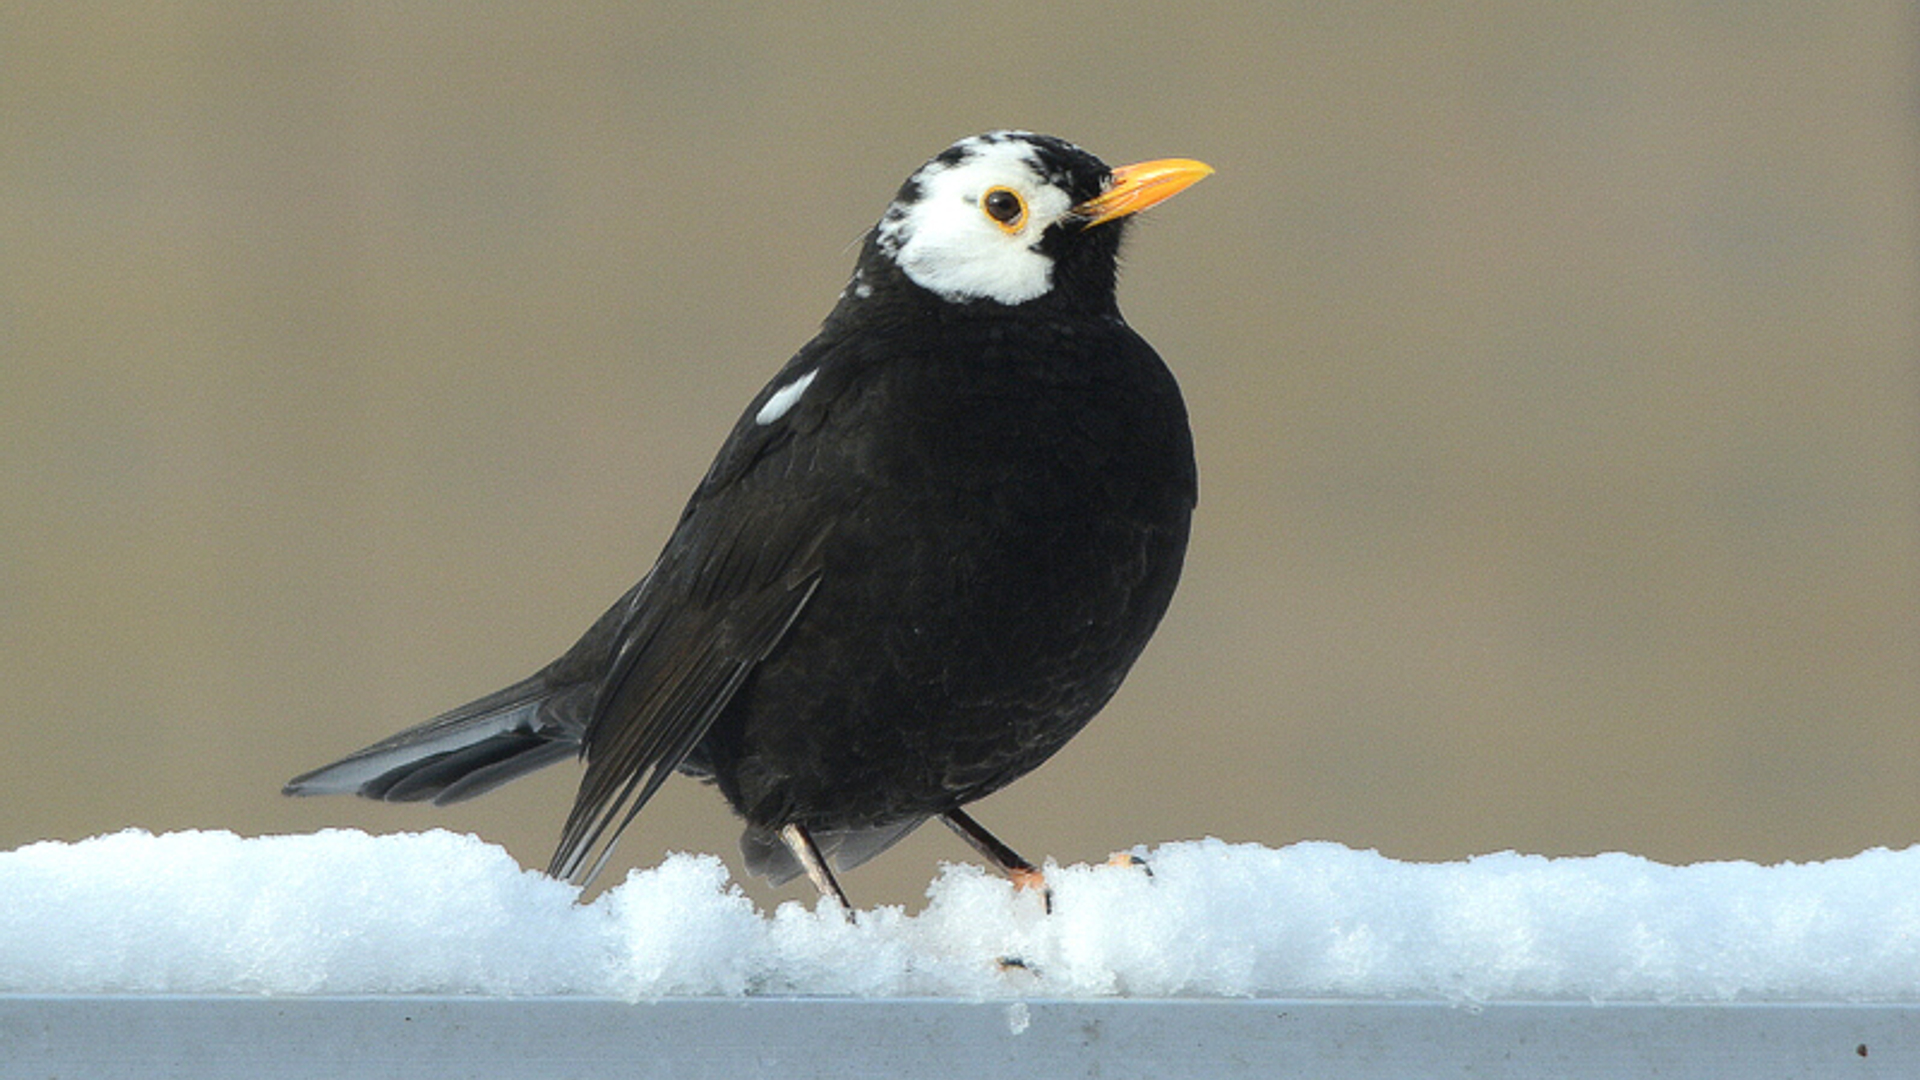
pixel 924 558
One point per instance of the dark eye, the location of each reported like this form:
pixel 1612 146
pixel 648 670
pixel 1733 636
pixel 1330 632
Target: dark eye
pixel 1005 207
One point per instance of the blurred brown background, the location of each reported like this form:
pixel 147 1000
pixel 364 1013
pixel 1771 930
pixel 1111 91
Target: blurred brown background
pixel 1556 379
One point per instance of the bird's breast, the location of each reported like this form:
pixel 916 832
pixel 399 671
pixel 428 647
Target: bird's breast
pixel 1009 524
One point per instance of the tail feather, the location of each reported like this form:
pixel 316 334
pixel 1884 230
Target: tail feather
pixel 458 754
pixel 454 775
pixel 529 756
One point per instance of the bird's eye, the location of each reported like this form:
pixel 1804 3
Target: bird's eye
pixel 1005 206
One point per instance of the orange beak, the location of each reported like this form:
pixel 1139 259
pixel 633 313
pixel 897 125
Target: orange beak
pixel 1136 187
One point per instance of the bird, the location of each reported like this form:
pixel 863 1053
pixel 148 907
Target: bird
pixel 926 555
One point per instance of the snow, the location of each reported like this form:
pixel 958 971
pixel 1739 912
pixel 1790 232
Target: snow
pixel 342 912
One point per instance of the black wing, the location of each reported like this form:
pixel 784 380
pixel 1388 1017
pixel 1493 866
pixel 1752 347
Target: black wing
pixel 639 690
pixel 737 574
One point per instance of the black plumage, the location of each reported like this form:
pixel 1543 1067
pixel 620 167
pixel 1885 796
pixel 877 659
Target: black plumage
pixel 924 558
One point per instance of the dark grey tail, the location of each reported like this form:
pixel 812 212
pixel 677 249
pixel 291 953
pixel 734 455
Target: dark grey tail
pixel 459 754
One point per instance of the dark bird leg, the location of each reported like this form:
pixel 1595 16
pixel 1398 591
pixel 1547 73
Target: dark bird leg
pixel 801 842
pixel 1023 874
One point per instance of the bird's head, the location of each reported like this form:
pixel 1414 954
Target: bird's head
pixel 1010 217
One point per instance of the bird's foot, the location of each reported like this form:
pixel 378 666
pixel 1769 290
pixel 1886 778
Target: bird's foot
pixel 1028 877
pixel 1031 877
pixel 1010 965
pixel 1022 873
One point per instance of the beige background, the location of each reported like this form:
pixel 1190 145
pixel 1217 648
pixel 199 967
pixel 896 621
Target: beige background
pixel 1556 379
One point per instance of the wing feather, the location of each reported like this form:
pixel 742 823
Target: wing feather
pixel 729 589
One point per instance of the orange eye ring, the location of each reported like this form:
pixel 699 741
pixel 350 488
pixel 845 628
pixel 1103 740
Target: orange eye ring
pixel 1005 208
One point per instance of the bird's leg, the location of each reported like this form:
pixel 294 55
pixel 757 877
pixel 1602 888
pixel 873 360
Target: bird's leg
pixel 800 842
pixel 1024 874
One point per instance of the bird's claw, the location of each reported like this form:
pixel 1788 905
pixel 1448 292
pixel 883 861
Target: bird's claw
pixel 1025 878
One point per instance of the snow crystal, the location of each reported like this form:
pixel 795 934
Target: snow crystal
pixel 341 912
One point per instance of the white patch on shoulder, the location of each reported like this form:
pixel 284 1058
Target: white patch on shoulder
pixel 783 399
pixel 945 242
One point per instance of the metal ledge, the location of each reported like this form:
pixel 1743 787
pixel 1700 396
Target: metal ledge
pixel 424 1037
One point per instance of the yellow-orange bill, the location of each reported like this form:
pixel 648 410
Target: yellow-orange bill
pixel 1136 187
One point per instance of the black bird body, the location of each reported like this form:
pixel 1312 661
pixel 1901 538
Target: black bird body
pixel 1008 527
pixel 924 558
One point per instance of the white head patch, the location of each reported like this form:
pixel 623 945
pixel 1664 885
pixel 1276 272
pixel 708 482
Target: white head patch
pixel 948 244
